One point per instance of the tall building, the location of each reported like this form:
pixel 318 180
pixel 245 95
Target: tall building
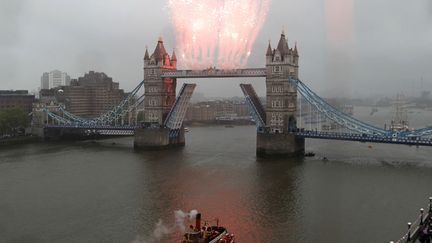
pixel 45 81
pixel 54 79
pixel 281 63
pixel 160 93
pixel 20 99
pixel 91 95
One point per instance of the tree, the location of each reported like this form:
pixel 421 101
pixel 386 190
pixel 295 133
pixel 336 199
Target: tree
pixel 12 120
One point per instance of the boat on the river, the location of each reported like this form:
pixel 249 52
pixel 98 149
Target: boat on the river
pixel 400 121
pixel 207 233
pixel 309 154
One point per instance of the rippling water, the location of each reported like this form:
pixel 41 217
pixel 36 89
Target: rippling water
pixel 105 192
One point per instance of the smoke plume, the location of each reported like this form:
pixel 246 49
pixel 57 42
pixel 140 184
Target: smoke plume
pixel 162 230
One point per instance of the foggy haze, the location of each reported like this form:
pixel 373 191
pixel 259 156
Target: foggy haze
pixel 387 49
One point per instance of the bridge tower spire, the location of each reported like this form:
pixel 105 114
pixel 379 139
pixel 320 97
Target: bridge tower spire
pixel 174 59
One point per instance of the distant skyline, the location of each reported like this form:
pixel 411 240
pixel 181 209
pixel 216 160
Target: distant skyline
pixel 54 79
pixel 388 48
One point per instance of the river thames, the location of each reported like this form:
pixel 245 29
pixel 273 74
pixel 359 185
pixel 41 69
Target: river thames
pixel 104 191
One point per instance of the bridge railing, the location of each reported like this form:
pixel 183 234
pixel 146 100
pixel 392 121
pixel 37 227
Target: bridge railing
pixel 361 137
pixel 421 229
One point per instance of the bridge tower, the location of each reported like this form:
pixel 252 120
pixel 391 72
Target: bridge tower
pixel 160 93
pixel 281 106
pixel 160 96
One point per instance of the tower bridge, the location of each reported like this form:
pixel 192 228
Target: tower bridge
pixel 278 129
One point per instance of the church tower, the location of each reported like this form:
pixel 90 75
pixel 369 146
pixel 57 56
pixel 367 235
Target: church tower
pixel 281 64
pixel 160 93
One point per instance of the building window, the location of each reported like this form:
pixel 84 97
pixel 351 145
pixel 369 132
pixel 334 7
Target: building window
pixel 276 119
pixel 277 69
pixel 153 89
pixel 153 117
pixel 277 89
pixel 153 102
pixel 277 103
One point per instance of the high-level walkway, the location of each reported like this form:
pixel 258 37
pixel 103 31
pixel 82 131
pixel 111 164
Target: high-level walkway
pixel 216 73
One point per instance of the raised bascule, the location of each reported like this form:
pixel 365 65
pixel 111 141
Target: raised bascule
pixel 278 129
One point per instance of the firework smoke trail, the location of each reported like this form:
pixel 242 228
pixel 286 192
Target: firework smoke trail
pixel 340 18
pixel 340 46
pixel 216 32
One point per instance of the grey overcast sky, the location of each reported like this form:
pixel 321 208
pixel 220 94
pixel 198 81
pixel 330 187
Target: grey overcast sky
pixel 390 49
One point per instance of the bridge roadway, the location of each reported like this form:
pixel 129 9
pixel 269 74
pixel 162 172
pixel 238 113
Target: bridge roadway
pixel 216 73
pixel 363 138
pixel 99 129
pixel 95 127
pixel 130 130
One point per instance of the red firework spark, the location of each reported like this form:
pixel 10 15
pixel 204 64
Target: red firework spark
pixel 216 32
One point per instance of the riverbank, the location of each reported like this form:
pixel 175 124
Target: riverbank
pixel 218 123
pixel 18 140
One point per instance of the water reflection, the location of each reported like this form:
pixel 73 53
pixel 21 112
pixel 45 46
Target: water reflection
pixel 175 182
pixel 105 191
pixel 276 200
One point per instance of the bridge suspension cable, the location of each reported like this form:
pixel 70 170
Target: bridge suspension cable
pixel 337 116
pixel 105 119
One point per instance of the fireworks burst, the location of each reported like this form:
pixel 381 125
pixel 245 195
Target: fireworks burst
pixel 216 32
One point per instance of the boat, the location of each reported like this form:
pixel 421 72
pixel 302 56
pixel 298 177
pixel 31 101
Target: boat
pixel 400 120
pixel 207 233
pixel 186 129
pixel 309 154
